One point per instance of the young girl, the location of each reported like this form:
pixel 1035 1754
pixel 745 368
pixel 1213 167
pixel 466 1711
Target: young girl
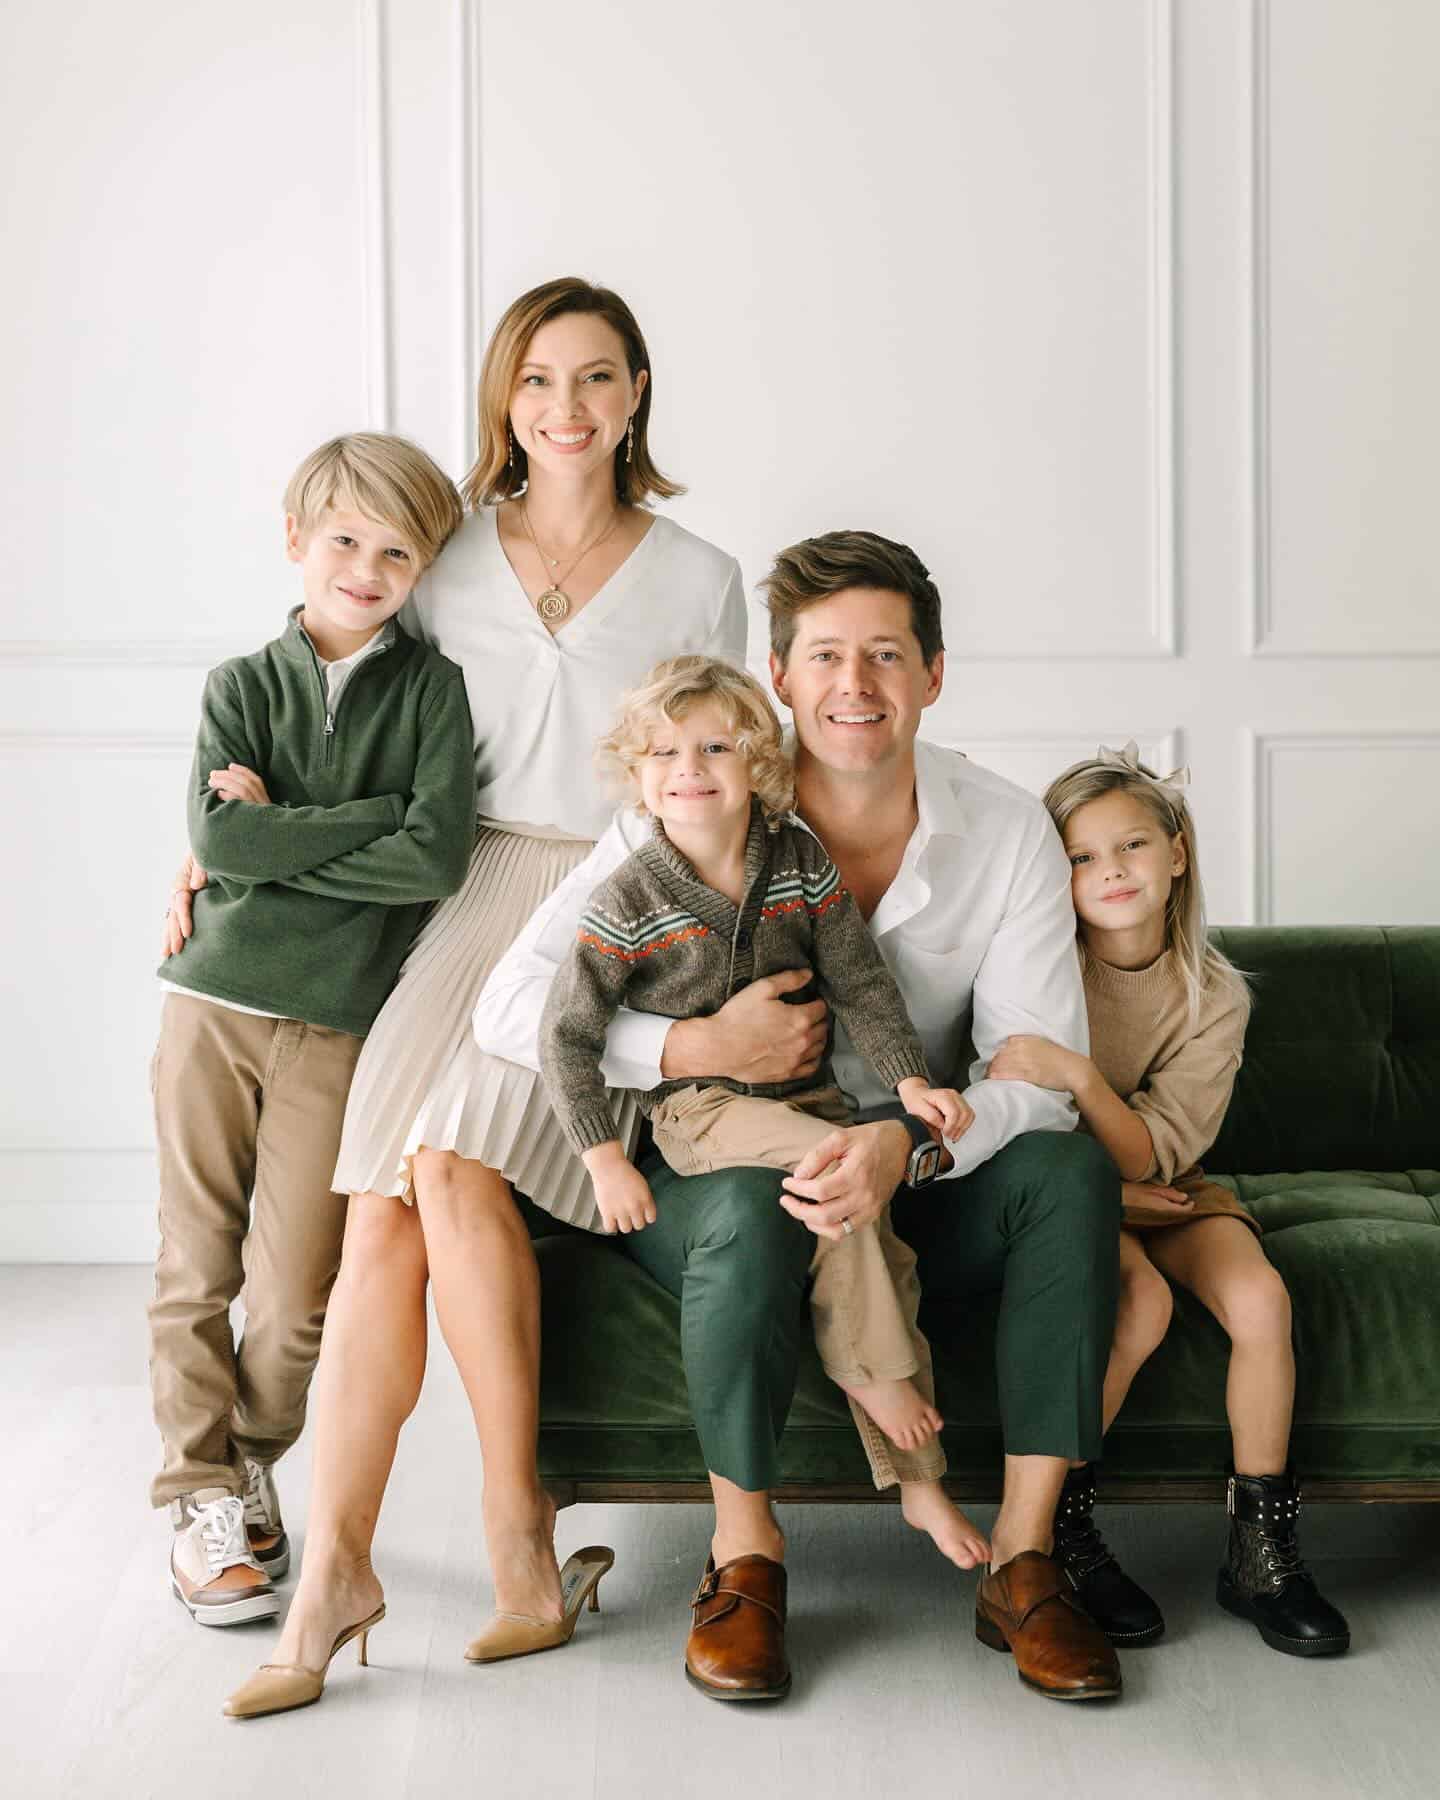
pixel 1167 1026
pixel 730 888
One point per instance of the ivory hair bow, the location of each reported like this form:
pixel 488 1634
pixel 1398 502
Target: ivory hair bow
pixel 1129 758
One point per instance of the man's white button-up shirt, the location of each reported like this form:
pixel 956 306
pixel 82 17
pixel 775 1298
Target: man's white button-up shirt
pixel 977 927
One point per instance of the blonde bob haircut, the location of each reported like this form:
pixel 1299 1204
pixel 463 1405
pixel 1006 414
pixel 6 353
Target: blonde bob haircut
pixel 675 688
pixel 1202 967
pixel 388 479
pixel 497 475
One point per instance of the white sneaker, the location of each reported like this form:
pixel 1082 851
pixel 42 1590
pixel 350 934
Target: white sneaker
pixel 212 1571
pixel 263 1525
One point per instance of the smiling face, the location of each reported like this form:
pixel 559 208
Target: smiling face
pixel 693 774
pixel 1122 863
pixel 856 680
pixel 357 574
pixel 573 396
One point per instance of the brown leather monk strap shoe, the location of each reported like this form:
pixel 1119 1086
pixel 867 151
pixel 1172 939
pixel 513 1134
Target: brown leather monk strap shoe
pixel 736 1649
pixel 1028 1607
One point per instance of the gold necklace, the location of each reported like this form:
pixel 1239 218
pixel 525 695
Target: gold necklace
pixel 554 604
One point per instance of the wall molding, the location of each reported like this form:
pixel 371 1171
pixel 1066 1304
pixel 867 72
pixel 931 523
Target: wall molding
pixel 1165 746
pixel 88 743
pixel 371 114
pixel 1162 375
pixel 1261 750
pixel 104 653
pixel 377 375
pixel 468 235
pixel 1263 639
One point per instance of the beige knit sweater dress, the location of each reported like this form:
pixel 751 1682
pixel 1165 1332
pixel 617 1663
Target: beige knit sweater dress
pixel 1177 1076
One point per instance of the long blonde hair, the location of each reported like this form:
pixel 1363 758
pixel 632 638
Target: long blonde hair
pixel 1202 967
pixel 501 471
pixel 676 687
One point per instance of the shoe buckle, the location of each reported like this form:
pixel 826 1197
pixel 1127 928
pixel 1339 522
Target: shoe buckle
pixel 706 1589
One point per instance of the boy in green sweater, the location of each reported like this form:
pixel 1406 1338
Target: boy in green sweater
pixel 331 800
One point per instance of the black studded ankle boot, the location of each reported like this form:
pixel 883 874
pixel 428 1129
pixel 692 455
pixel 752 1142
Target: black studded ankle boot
pixel 1119 1606
pixel 1264 1579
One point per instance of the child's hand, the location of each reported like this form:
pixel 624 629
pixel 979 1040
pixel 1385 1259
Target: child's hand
pixel 1154 1193
pixel 944 1108
pixel 1037 1060
pixel 236 782
pixel 621 1192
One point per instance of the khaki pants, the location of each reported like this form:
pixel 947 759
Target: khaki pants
pixel 247 1122
pixel 865 1296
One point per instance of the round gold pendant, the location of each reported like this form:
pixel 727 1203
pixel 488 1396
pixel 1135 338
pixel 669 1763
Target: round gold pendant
pixel 552 605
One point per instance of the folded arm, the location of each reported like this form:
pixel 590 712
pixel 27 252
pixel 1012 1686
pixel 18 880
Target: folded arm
pixel 425 855
pixel 255 843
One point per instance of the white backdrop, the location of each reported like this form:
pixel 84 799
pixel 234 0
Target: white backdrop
pixel 1121 311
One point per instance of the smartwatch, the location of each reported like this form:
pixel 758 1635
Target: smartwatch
pixel 925 1153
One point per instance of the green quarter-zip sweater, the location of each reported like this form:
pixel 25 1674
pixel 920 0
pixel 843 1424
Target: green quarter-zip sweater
pixel 313 899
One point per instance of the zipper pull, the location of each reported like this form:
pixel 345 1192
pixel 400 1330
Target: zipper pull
pixel 329 724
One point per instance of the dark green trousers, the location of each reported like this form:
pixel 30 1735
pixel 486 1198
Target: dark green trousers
pixel 739 1266
pixel 1039 1222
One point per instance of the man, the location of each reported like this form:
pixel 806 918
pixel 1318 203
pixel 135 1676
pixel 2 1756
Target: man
pixel 966 889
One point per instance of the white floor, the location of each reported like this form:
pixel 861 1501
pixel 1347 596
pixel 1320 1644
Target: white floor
pixel 108 1689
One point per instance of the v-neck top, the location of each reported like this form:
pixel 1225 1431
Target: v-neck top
pixel 540 701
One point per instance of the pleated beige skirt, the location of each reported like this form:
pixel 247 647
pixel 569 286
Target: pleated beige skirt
pixel 422 1081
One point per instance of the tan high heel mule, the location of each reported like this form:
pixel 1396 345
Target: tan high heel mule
pixel 281 1687
pixel 516 1634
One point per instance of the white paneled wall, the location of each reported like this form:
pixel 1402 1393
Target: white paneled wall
pixel 1120 311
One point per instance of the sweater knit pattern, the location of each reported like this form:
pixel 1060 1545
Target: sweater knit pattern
pixel 653 937
pixel 1177 1074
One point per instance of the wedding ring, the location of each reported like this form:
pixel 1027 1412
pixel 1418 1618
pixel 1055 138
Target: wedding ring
pixel 847 1228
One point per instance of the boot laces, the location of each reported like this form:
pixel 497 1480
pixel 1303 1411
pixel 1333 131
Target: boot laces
pixel 1078 1541
pixel 1282 1553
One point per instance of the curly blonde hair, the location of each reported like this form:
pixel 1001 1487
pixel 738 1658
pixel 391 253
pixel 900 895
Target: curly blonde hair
pixel 674 688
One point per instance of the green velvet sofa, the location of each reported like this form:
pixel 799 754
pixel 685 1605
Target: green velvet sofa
pixel 1332 1140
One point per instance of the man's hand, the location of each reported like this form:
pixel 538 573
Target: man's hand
pixel 1154 1193
pixel 943 1109
pixel 179 924
pixel 236 782
pixel 849 1176
pixel 755 1036
pixel 1037 1060
pixel 621 1192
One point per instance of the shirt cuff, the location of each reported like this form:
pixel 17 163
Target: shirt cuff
pixel 634 1044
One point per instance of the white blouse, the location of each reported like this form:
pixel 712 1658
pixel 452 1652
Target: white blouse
pixel 540 701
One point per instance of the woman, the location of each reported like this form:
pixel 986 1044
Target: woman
pixel 555 595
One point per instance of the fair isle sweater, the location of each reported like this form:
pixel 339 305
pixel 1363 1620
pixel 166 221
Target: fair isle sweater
pixel 655 938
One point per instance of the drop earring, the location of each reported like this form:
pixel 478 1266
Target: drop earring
pixel 630 441
pixel 510 437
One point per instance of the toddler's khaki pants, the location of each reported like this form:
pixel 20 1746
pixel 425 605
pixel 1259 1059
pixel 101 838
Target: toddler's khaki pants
pixel 865 1297
pixel 247 1122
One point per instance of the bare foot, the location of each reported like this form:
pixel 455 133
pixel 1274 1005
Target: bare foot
pixel 928 1507
pixel 522 1560
pixel 900 1410
pixel 328 1600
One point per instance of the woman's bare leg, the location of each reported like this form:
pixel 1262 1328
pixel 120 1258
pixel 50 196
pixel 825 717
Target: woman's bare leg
pixel 372 1362
pixel 1142 1317
pixel 487 1299
pixel 1222 1263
